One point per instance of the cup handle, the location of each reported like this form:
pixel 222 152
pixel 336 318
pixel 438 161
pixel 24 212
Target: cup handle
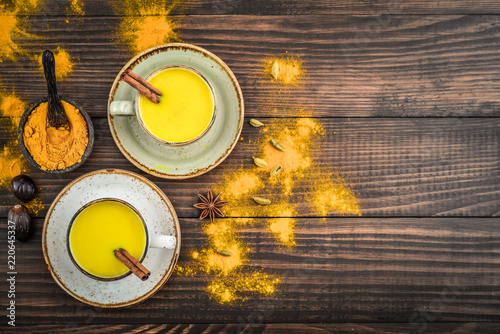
pixel 122 108
pixel 162 241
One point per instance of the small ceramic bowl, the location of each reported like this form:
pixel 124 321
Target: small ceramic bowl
pixel 28 156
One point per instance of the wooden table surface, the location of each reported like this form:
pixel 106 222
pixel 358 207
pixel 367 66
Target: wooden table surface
pixel 411 89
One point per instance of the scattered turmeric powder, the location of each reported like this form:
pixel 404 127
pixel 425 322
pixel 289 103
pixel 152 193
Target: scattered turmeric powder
pixel 10 30
pixel 64 63
pixel 14 26
pixel 12 106
pixel 55 148
pixel 282 90
pixel 287 70
pixel 12 163
pixel 226 290
pixel 26 7
pixel 77 7
pixel 283 230
pixel 327 195
pixel 147 23
pixel 330 195
pixel 241 184
pixel 297 137
pixel 34 206
pixel 222 236
pixel 231 282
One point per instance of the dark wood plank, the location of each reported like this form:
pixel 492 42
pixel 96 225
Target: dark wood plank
pixel 292 7
pixel 397 167
pixel 305 328
pixel 416 271
pixel 356 66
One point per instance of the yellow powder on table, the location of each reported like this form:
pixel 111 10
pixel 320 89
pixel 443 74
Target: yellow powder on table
pixel 12 106
pixel 283 230
pixel 226 290
pixel 229 280
pixel 222 237
pixel 330 195
pixel 286 70
pixel 55 148
pixel 27 7
pixel 14 26
pixel 149 31
pixel 12 163
pixel 34 206
pixel 238 188
pixel 77 7
pixel 63 61
pixel 322 196
pixel 240 184
pixel 10 30
pixel 296 137
pixel 147 23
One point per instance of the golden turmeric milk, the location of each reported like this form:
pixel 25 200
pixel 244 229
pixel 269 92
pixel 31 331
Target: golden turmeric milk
pixel 100 229
pixel 186 107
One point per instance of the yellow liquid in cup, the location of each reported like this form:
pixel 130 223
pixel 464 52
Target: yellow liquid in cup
pixel 101 228
pixel 186 107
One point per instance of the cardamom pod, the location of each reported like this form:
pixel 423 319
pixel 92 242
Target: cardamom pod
pixel 275 70
pixel 224 252
pixel 259 162
pixel 277 145
pixel 261 200
pixel 275 171
pixel 255 123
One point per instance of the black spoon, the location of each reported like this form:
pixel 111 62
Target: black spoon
pixel 55 115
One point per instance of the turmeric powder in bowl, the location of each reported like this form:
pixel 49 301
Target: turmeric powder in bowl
pixel 51 148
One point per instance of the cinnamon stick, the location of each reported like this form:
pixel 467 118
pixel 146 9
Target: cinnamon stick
pixel 143 90
pixel 133 264
pixel 144 82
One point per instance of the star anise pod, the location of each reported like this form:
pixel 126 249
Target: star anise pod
pixel 210 206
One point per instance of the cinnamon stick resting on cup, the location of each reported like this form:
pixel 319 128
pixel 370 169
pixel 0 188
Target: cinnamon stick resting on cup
pixel 142 86
pixel 133 264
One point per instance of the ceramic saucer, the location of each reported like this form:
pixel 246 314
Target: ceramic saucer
pixel 158 214
pixel 179 162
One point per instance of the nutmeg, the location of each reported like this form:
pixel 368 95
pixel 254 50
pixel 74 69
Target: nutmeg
pixel 23 187
pixel 21 218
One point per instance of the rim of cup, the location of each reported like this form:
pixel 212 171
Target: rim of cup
pixel 163 141
pixel 70 225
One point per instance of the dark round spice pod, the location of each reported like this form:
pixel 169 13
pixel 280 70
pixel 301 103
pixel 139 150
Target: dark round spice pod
pixel 21 218
pixel 23 187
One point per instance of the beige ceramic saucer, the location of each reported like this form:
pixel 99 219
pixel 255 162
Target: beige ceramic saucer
pixel 190 160
pixel 158 214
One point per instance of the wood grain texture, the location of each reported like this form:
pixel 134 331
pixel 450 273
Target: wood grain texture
pixel 407 92
pixel 291 7
pixel 342 270
pixel 397 167
pixel 356 66
pixel 289 328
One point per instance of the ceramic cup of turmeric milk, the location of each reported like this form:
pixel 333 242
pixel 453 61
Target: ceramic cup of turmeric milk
pixel 105 225
pixel 186 111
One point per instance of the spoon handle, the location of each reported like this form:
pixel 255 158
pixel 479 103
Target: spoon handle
pixel 56 115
